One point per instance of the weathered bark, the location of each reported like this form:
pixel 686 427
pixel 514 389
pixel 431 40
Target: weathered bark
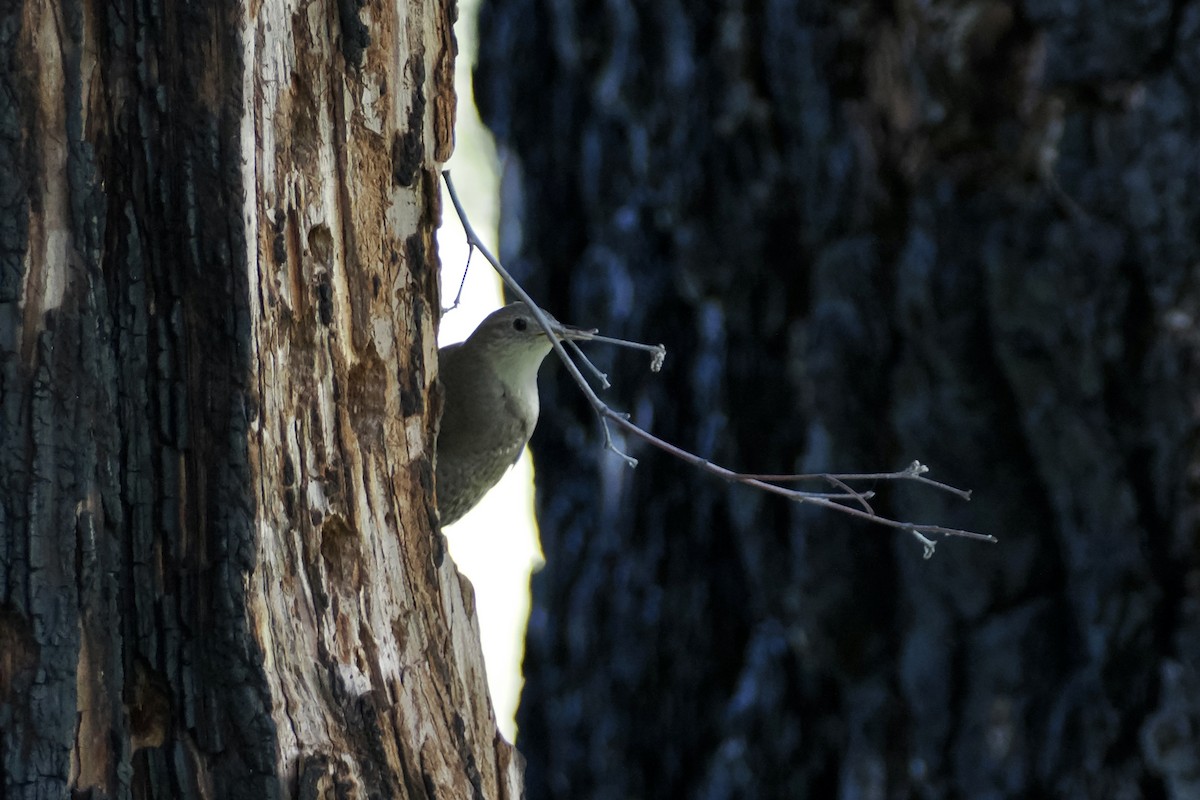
pixel 960 232
pixel 219 572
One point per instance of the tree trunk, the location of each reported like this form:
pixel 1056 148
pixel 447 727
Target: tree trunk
pixel 219 572
pixel 965 233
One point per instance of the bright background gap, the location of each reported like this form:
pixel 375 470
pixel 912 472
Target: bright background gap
pixel 496 544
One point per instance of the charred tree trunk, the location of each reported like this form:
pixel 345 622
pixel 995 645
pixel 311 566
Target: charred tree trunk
pixel 966 233
pixel 219 575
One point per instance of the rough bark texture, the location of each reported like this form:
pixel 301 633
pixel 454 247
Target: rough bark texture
pixel 964 232
pixel 218 571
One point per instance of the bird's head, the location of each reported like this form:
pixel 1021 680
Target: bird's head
pixel 511 339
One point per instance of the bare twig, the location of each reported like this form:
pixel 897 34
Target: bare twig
pixel 462 283
pixel 860 497
pixel 587 362
pixel 914 472
pixel 658 352
pixel 847 501
pixel 929 544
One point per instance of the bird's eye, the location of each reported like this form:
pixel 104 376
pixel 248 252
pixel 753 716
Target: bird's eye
pixel 520 324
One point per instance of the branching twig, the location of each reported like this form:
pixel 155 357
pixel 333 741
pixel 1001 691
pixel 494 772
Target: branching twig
pixel 587 362
pixel 658 352
pixel 915 472
pixel 847 501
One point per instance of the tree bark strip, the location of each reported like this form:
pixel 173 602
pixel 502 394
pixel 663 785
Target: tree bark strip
pixel 219 575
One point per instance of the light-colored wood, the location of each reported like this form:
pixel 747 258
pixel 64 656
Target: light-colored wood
pixel 220 574
pixel 369 634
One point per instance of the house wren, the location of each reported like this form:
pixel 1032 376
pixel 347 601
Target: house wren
pixel 491 403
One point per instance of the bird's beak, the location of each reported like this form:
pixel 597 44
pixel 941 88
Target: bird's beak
pixel 577 334
pixel 567 332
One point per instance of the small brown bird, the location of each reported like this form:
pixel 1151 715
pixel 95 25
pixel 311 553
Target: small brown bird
pixel 491 404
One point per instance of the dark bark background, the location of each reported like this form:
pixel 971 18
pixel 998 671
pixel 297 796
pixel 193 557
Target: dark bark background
pixel 962 232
